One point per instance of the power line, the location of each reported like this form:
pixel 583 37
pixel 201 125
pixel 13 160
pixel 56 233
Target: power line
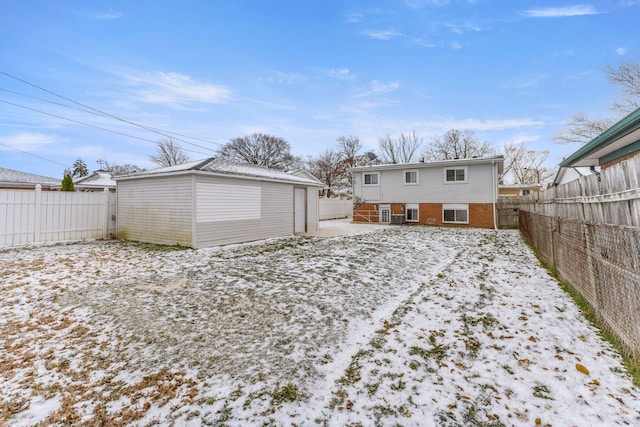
pixel 105 114
pixel 79 122
pixel 34 155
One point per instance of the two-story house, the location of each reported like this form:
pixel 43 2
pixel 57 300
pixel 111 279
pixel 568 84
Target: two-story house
pixel 461 192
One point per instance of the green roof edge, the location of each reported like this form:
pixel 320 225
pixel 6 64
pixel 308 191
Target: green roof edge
pixel 625 126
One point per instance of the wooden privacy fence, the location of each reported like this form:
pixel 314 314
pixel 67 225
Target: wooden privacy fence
pixel 590 231
pixel 611 198
pixel 507 210
pixel 334 208
pixel 28 216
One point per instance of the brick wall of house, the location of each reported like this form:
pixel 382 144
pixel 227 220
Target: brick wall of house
pixel 621 159
pixel 480 214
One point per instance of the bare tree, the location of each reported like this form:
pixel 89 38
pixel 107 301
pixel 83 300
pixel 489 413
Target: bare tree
pixel 349 147
pixel 115 169
pixel 456 144
pixel 261 150
pixel 168 153
pixel 524 166
pixel 627 76
pixel 399 150
pixel 581 129
pixel 330 168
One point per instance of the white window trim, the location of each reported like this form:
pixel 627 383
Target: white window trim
pixel 455 207
pixel 404 177
pixel 371 173
pixel 412 207
pixel 466 175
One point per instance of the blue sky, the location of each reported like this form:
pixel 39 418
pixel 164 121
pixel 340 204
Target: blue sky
pixel 307 71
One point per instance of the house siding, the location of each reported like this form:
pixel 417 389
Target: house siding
pixel 275 219
pixel 155 210
pixel 431 187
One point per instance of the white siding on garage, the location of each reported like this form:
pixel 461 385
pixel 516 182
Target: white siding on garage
pixel 276 215
pixel 156 210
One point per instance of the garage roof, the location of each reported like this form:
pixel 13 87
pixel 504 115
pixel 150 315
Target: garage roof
pixel 212 166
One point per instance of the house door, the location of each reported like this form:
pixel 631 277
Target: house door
pixel 385 214
pixel 300 210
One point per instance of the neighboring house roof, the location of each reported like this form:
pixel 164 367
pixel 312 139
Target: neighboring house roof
pixel 214 167
pixel 568 174
pixel 305 174
pixel 98 179
pixel 519 186
pixel 14 178
pixel 621 139
pixel 442 163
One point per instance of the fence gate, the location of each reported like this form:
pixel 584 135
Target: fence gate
pixel 508 210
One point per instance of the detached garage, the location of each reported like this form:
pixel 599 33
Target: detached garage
pixel 212 202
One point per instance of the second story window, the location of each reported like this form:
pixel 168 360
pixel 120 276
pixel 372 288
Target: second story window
pixel 452 175
pixel 411 177
pixel 372 178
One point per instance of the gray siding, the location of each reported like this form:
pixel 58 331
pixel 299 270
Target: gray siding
pixel 431 187
pixel 276 217
pixel 155 210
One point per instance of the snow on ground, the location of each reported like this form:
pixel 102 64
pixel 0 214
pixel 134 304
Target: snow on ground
pixel 400 325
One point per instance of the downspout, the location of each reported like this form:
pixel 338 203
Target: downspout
pixel 494 175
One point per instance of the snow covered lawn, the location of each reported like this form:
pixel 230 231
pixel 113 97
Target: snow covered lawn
pixel 400 325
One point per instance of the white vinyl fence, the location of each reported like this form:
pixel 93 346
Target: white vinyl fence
pixel 334 208
pixel 31 216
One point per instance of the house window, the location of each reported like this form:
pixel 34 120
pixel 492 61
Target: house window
pixel 455 175
pixel 412 213
pixel 526 192
pixel 371 178
pixel 411 177
pixel 456 214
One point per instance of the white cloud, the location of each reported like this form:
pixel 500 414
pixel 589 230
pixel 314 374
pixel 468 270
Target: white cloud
pixel 559 12
pixel 525 83
pixel 175 89
pixel 379 87
pixel 382 34
pixel 376 87
pixel 463 28
pixel 342 74
pixel 480 125
pixel 417 4
pixel 455 45
pixel 621 50
pixel 423 42
pixel 110 15
pixel 282 77
pixel 28 141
